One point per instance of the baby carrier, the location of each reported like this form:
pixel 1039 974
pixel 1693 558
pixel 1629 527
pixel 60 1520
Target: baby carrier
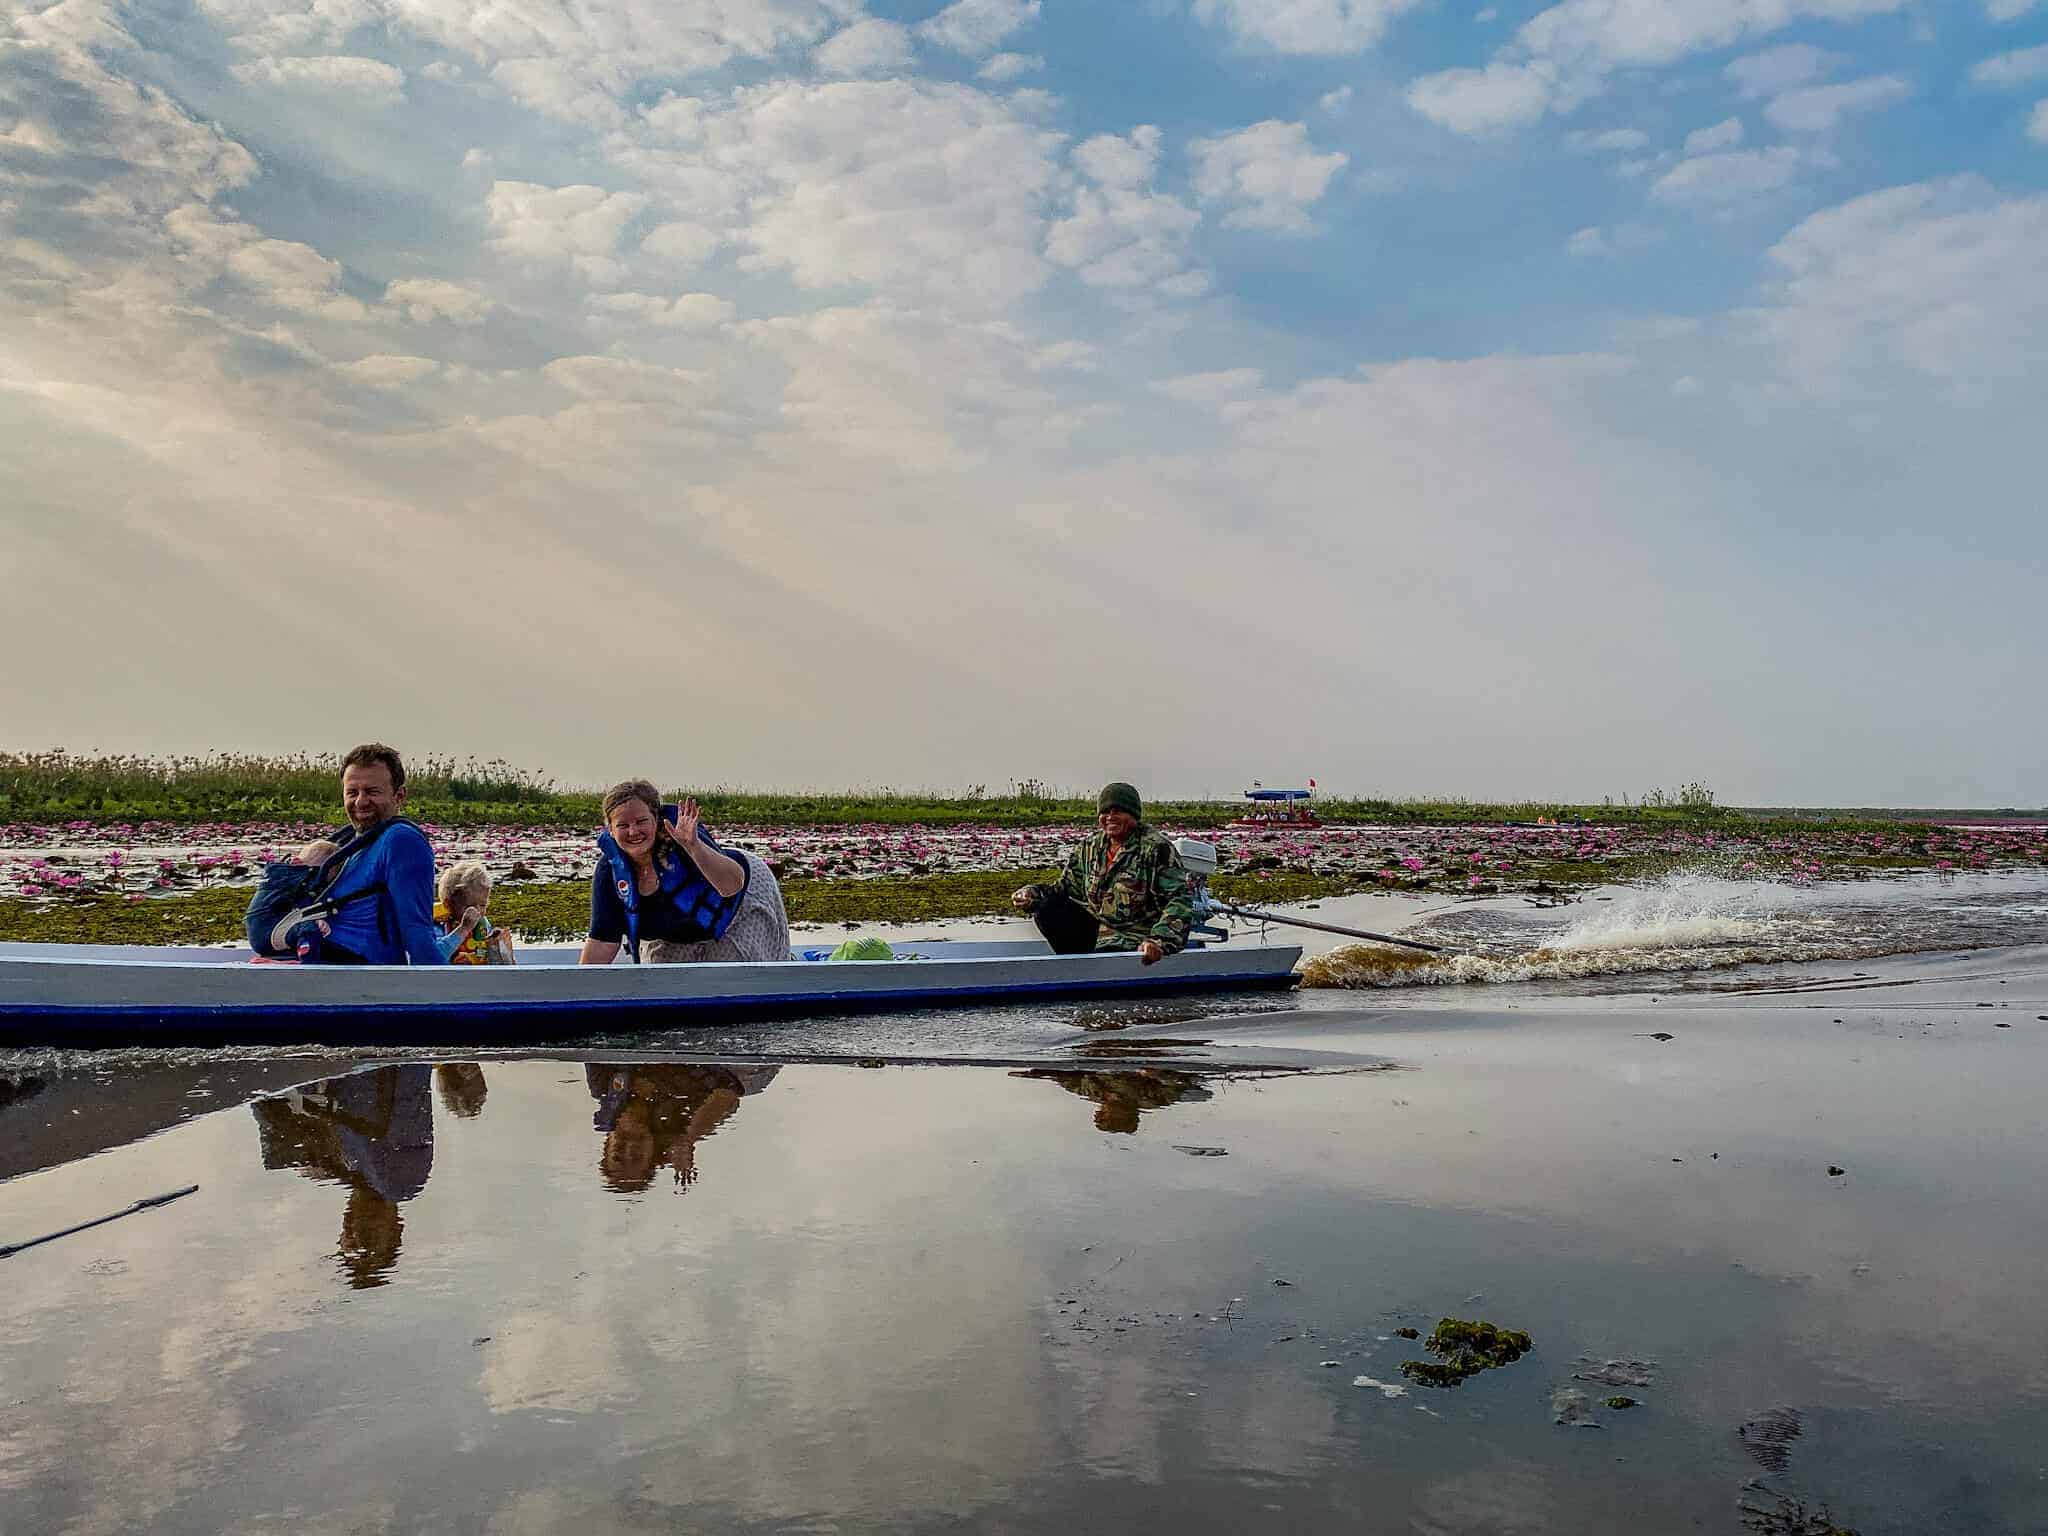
pixel 291 899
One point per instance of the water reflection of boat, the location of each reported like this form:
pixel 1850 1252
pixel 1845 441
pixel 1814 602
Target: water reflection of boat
pixel 87 993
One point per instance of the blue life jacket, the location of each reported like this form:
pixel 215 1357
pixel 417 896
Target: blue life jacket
pixel 696 898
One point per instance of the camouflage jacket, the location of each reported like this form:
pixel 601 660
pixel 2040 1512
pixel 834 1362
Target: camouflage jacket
pixel 1142 895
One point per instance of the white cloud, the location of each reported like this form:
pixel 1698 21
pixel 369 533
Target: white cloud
pixel 1119 232
pixel 621 381
pixel 2037 123
pixel 1821 108
pixel 1212 389
pixel 868 47
pixel 2010 69
pixel 264 27
pixel 906 388
pixel 1336 102
pixel 575 227
pixel 1614 140
pixel 976 27
pixel 583 63
pixel 682 242
pixel 921 191
pixel 424 299
pixel 1116 161
pixel 1776 70
pixel 1489 100
pixel 289 275
pixel 1603 35
pixel 2008 10
pixel 1727 178
pixel 370 81
pixel 1942 276
pixel 1305 26
pixel 1725 134
pixel 1002 68
pixel 115 154
pixel 696 312
pixel 1266 176
pixel 1077 356
pixel 1617 240
pixel 1562 56
pixel 385 370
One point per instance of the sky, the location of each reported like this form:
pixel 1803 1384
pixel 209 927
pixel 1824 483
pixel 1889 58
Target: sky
pixel 1550 401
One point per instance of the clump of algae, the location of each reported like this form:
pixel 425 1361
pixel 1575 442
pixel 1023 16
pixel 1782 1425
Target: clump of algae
pixel 1466 1349
pixel 1363 965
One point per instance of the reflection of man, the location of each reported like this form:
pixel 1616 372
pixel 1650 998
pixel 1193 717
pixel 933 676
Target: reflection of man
pixel 372 1131
pixel 656 1113
pixel 1120 1097
pixel 1123 888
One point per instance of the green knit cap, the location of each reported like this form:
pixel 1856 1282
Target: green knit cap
pixel 1119 797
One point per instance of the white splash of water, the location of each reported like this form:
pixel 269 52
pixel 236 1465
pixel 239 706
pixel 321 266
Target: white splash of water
pixel 1686 921
pixel 1682 911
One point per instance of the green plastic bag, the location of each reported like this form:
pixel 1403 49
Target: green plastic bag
pixel 863 949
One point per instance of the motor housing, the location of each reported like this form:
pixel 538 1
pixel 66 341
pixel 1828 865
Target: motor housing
pixel 1200 860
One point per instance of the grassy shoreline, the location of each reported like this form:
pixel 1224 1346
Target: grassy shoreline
pixel 58 787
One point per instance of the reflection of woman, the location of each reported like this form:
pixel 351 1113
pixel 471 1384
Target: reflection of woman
pixel 669 894
pixel 657 1113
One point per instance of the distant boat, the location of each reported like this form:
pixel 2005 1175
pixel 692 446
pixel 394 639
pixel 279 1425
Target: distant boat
pixel 76 994
pixel 1279 807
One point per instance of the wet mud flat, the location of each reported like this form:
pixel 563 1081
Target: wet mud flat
pixel 1775 1249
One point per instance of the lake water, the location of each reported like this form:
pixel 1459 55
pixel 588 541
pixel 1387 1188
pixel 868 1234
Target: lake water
pixel 1133 1278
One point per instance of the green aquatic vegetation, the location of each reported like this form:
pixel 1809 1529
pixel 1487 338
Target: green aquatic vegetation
pixel 1465 1349
pixel 1285 886
pixel 203 917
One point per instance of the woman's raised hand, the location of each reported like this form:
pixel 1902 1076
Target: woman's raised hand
pixel 688 823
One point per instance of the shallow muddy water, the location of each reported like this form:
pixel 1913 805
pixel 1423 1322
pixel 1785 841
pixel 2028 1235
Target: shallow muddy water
pixel 534 1294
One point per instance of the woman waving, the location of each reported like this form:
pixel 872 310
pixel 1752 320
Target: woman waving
pixel 667 893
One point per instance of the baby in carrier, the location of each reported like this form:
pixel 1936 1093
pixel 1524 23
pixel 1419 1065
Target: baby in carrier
pixel 281 889
pixel 467 937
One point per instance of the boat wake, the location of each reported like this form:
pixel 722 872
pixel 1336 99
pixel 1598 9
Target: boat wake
pixel 1689 921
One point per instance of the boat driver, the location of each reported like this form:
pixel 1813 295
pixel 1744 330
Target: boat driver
pixel 1123 888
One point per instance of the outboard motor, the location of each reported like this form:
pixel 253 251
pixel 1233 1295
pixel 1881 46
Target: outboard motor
pixel 1199 860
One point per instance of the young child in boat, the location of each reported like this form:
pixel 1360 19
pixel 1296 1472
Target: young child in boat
pixel 467 937
pixel 307 936
pixel 318 851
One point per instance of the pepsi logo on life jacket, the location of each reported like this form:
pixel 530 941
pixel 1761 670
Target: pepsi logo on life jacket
pixel 695 899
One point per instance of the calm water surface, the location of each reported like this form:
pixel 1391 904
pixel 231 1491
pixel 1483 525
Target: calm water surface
pixel 611 1295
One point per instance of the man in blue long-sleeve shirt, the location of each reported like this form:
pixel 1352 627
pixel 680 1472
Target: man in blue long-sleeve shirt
pixel 397 924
